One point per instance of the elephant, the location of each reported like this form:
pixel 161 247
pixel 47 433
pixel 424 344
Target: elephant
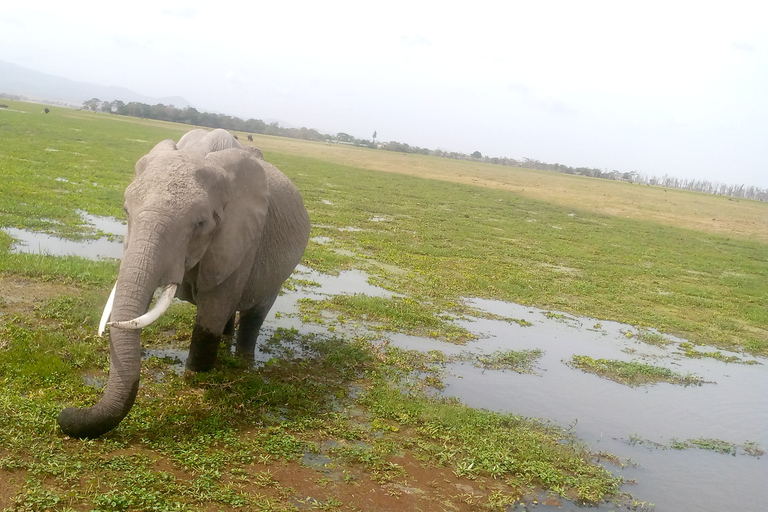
pixel 213 224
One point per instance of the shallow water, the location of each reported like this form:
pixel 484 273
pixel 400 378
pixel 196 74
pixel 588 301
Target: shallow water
pixel 607 416
pixel 35 242
pixel 637 424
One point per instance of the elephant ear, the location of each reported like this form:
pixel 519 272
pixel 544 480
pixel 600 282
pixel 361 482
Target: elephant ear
pixel 242 219
pixel 163 145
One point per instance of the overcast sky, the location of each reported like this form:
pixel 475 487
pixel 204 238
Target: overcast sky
pixel 678 88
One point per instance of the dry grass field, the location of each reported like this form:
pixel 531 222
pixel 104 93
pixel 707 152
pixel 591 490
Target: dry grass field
pixel 679 208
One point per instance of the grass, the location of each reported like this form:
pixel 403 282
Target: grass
pixel 689 350
pixel 452 241
pixel 396 314
pixel 700 212
pixel 632 373
pixel 520 361
pixel 435 240
pixel 432 230
pixel 212 440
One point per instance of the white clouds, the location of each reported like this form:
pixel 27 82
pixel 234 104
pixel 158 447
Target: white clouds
pixel 184 12
pixel 604 84
pixel 539 100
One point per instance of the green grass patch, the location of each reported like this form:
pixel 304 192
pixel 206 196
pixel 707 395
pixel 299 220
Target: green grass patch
pixel 520 361
pixel 68 160
pixel 61 268
pixel 395 314
pixel 652 338
pixel 689 350
pixel 632 373
pixel 190 442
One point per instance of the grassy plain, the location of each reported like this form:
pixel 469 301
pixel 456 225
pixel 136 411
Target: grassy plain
pixel 434 230
pixel 438 241
pixel 678 208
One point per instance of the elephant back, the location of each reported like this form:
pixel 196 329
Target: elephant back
pixel 208 142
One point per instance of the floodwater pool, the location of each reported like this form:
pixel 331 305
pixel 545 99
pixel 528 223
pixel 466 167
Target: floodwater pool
pixel 36 242
pixel 644 426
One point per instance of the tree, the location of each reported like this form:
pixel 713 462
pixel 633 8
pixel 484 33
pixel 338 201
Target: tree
pixel 92 104
pixel 190 116
pixel 476 154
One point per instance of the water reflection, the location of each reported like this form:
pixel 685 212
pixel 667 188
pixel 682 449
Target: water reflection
pixel 35 242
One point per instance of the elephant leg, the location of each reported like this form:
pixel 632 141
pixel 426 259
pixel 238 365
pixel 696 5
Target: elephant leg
pixel 203 349
pixel 251 321
pixel 229 329
pixel 215 310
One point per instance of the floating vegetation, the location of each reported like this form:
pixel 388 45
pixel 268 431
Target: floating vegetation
pixel 652 338
pixel 647 336
pixel 492 316
pixel 632 373
pixel 689 350
pixel 520 361
pixel 294 282
pixel 749 448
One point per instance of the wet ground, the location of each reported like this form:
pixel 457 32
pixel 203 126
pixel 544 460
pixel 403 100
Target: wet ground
pixel 649 428
pixel 643 426
pixel 108 246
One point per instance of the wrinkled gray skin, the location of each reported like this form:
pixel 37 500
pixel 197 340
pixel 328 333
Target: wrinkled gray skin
pixel 213 217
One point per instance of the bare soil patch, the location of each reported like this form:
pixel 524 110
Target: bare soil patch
pixel 21 295
pixel 424 488
pixel 10 484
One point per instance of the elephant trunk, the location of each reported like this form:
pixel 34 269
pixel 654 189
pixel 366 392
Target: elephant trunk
pixel 136 283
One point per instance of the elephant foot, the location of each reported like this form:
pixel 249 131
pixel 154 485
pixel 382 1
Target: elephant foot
pixel 251 321
pixel 203 350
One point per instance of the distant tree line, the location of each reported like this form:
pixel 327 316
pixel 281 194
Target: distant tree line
pixel 192 116
pixel 696 185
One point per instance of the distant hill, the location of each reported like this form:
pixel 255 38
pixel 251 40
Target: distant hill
pixel 34 85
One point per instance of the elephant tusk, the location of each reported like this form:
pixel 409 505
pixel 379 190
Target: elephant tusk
pixel 153 314
pixel 107 311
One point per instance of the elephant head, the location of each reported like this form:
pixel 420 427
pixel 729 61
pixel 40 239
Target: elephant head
pixel 197 213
